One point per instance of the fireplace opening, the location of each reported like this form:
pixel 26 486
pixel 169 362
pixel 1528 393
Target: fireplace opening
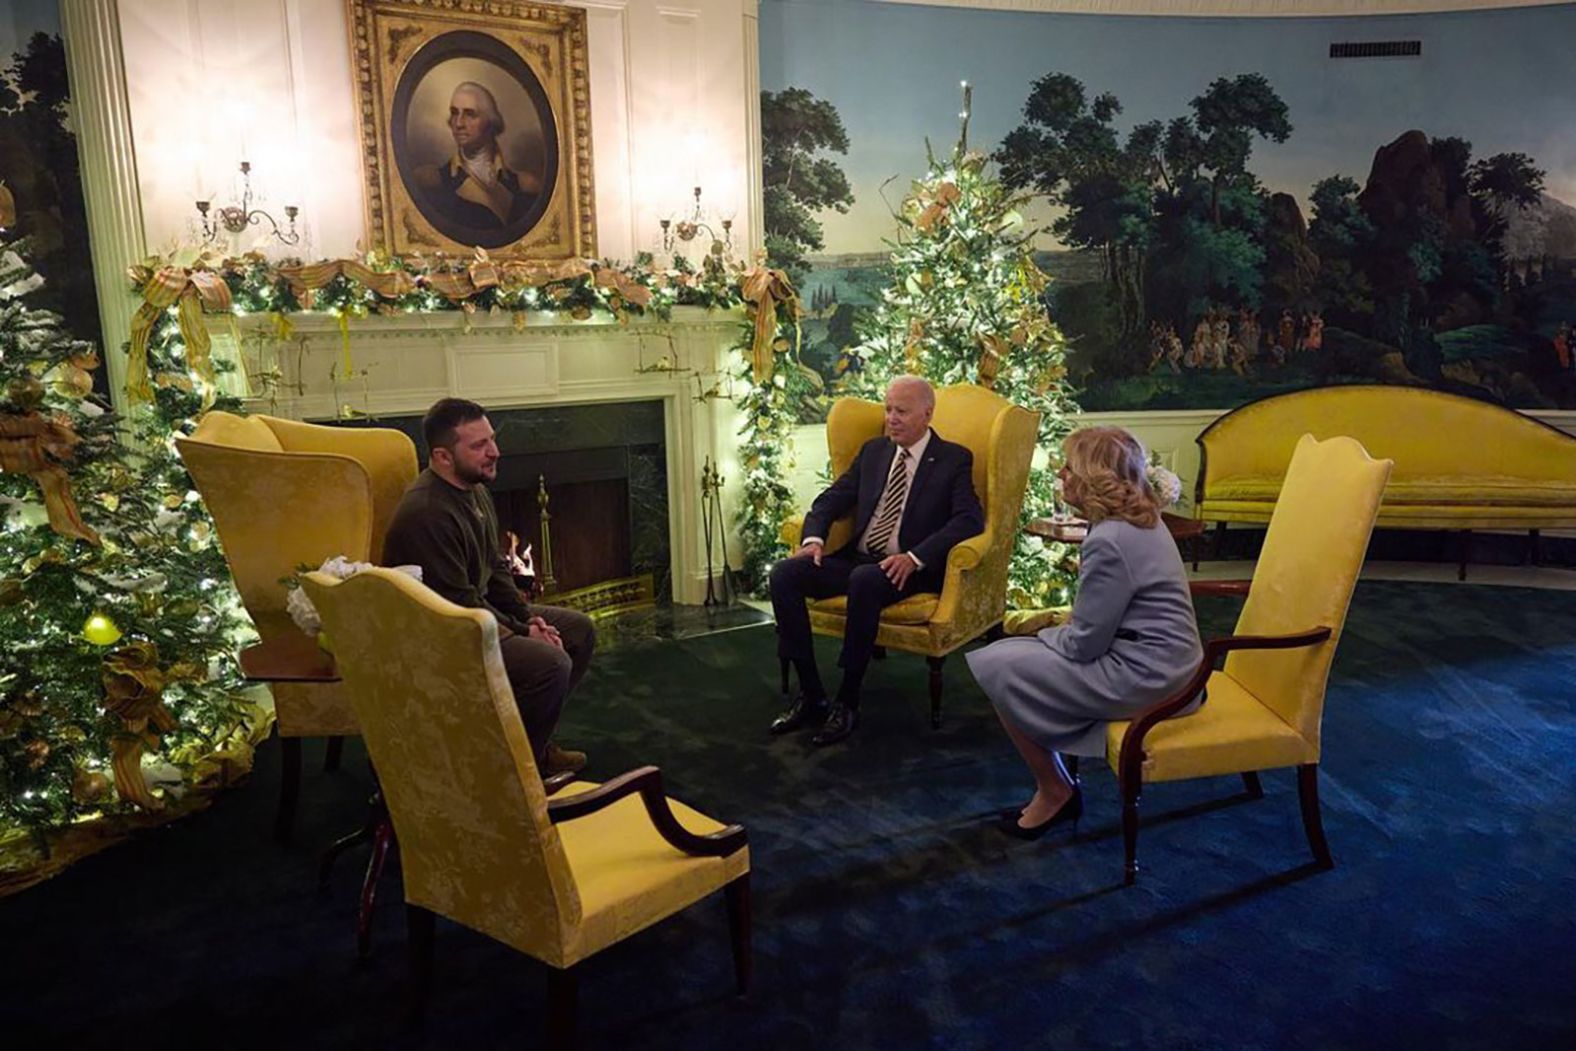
pixel 604 469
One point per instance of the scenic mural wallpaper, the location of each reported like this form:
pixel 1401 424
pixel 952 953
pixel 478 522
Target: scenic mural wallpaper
pixel 38 164
pixel 1227 211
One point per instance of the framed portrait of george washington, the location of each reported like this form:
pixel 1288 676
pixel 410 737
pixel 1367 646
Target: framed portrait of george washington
pixel 475 127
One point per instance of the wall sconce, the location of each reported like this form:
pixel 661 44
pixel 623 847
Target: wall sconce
pixel 688 228
pixel 236 218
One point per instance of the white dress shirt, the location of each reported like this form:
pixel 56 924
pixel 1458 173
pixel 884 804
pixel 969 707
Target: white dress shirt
pixel 915 452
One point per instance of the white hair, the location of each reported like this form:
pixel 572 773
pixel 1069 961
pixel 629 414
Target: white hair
pixel 488 105
pixel 918 383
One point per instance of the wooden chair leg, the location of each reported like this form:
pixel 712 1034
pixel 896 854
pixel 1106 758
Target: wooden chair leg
pixel 563 994
pixel 336 749
pixel 1312 821
pixel 1219 543
pixel 738 897
pixel 1130 794
pixel 377 814
pixel 1464 543
pixel 419 926
pixel 289 787
pixel 783 663
pixel 382 840
pixel 1250 781
pixel 935 691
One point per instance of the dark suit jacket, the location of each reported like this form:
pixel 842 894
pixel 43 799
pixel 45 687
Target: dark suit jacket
pixel 942 507
pixel 445 191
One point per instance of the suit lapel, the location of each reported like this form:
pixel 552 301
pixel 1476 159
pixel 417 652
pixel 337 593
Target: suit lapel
pixel 923 471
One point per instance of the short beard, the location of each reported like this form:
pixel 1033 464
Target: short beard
pixel 470 476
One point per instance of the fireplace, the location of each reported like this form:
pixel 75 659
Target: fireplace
pixel 618 417
pixel 603 467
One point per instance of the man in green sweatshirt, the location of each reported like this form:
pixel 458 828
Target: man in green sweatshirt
pixel 447 525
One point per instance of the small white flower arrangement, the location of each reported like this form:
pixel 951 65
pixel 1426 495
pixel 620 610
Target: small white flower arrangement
pixel 1167 486
pixel 300 607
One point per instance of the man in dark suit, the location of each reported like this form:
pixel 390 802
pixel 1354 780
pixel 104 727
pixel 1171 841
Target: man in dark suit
pixel 912 495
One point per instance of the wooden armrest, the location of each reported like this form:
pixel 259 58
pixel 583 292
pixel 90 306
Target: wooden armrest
pixel 1219 587
pixel 647 780
pixel 1130 760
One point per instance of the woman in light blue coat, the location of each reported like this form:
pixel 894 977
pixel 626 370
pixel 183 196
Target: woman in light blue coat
pixel 1131 640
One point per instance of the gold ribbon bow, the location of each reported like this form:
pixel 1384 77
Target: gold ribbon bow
pixel 133 690
pixel 764 290
pixel 627 288
pixel 946 194
pixel 37 446
pixel 195 291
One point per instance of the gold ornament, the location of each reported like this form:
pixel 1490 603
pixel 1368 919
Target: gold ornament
pixel 100 630
pixel 73 383
pixel 88 786
pixel 11 592
pixel 37 753
pixel 7 208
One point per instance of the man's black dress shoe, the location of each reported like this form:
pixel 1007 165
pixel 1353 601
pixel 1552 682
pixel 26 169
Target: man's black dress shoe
pixel 803 712
pixel 1070 811
pixel 840 722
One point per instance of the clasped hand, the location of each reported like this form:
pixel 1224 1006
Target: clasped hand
pixel 537 628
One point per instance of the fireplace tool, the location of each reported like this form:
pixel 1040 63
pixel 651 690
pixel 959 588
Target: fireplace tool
pixel 713 529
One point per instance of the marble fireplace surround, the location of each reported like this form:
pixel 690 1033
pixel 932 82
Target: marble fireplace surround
pixel 402 363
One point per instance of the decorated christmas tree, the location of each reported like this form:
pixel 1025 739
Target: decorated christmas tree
pixel 117 618
pixel 967 305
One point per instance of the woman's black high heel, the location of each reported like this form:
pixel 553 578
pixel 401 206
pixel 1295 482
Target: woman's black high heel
pixel 1070 812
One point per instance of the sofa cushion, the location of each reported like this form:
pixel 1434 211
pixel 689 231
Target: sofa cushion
pixel 917 608
pixel 1494 491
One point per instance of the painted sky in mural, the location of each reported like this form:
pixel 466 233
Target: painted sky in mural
pixel 893 73
pixel 1395 220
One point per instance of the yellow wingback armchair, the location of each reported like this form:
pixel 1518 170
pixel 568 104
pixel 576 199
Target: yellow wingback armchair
pixel 480 842
pixel 1265 705
pixel 285 494
pixel 973 594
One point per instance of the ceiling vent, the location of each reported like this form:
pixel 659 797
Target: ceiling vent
pixel 1378 49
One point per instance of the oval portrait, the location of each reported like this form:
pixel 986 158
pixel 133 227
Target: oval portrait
pixel 475 139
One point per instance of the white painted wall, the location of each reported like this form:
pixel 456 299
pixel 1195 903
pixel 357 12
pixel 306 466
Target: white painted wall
pixel 673 94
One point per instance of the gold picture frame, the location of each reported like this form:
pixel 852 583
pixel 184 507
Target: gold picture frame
pixel 475 127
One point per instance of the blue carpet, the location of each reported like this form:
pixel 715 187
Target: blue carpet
pixel 888 915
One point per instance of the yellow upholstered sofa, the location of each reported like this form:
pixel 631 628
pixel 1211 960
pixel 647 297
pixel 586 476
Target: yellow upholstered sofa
pixel 1460 464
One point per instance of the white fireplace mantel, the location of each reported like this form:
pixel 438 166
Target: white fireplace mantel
pixel 400 364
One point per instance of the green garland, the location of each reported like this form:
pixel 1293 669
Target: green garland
pixel 605 289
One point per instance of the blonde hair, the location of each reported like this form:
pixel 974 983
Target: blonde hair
pixel 1109 466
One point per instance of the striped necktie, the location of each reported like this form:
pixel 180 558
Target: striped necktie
pixel 890 510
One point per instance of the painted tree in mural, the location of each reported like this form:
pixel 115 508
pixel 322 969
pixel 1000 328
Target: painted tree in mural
pixel 117 620
pixel 41 168
pixel 1172 209
pixel 796 181
pixel 966 305
pixel 1068 150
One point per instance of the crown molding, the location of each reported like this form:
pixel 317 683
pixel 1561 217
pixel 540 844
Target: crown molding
pixel 1233 8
